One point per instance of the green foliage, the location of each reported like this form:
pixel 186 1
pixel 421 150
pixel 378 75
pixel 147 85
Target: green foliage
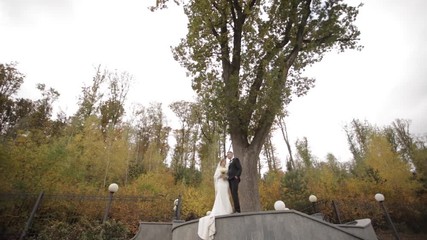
pixel 420 163
pixel 151 146
pixel 358 134
pixel 184 153
pixel 114 230
pixel 91 96
pixel 304 153
pixel 239 53
pixel 295 190
pixel 187 176
pixel 10 82
pixel 21 116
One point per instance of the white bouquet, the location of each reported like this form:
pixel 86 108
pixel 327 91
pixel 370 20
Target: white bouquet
pixel 223 171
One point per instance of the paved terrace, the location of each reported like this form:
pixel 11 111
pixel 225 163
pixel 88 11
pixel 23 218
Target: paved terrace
pixel 271 225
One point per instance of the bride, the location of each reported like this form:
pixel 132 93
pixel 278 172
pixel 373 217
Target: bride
pixel 222 204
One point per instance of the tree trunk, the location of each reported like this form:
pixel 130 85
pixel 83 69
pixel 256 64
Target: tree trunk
pixel 248 187
pixel 284 130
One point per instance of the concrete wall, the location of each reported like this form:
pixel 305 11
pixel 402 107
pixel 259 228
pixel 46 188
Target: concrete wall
pixel 153 231
pixel 361 227
pixel 271 225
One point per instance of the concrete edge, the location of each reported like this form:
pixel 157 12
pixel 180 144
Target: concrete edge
pixel 338 227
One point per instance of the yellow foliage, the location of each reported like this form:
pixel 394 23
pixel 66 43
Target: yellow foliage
pixel 386 173
pixel 196 202
pixel 157 193
pixel 270 190
pixel 396 179
pixel 153 160
pixel 153 183
pixel 322 182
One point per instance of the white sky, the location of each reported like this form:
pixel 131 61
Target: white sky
pixel 59 42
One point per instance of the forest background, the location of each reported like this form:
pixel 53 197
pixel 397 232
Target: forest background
pixel 73 157
pixel 102 143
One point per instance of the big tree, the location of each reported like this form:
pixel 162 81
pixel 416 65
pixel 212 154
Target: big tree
pixel 246 60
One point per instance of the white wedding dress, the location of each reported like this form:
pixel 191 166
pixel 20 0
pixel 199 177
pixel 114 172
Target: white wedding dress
pixel 222 206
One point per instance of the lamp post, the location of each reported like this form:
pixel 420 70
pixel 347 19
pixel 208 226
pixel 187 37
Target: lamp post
pixel 33 213
pixel 113 188
pixel 177 208
pixel 380 199
pixel 313 200
pixel 337 214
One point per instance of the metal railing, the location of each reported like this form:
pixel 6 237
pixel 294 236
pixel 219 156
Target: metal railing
pixel 20 211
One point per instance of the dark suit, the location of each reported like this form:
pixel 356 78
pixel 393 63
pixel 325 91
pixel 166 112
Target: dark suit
pixel 234 171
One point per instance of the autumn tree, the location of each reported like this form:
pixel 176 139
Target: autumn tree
pixel 295 189
pixel 327 178
pixel 28 134
pixel 303 154
pixel 290 164
pixel 10 82
pixel 296 181
pixel 186 136
pixel 271 157
pixel 112 109
pixel 41 116
pixel 105 97
pixel 100 112
pixel 212 140
pixel 410 148
pixel 420 162
pixel 182 153
pixel 271 189
pixel 150 138
pixel 33 118
pixel 358 135
pixel 401 140
pixel 248 58
pixel 19 114
pixel 91 95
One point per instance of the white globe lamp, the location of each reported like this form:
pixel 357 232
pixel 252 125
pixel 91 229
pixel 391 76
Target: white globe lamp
pixel 113 188
pixel 279 205
pixel 379 197
pixel 312 198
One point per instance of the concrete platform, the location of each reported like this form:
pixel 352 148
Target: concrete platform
pixel 272 225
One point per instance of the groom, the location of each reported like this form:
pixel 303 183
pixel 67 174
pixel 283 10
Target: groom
pixel 234 171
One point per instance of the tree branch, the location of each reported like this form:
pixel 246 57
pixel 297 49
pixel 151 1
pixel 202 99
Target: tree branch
pixel 300 35
pixel 233 13
pixel 255 87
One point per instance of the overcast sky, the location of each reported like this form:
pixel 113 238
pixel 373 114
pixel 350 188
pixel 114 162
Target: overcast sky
pixel 59 42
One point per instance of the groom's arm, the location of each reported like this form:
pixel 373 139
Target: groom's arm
pixel 238 166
